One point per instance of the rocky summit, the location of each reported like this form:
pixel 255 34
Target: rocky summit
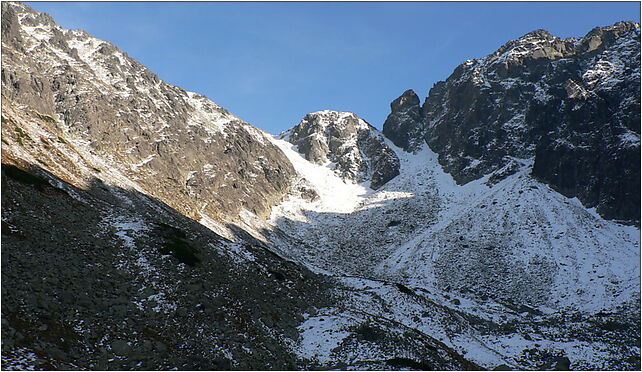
pixel 357 149
pixel 496 226
pixel 572 105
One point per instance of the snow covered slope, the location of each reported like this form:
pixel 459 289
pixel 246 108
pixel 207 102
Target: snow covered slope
pixel 513 239
pixel 508 251
pixel 332 192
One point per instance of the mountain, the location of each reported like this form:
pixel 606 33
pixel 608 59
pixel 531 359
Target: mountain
pixel 355 147
pixel 146 227
pixel 572 105
pixel 176 145
pixel 127 213
pixel 105 169
pixel 471 242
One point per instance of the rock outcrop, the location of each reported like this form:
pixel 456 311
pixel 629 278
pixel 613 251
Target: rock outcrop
pixel 405 121
pixel 571 104
pixel 356 149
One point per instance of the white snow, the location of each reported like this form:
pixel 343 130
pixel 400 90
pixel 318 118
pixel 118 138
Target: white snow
pixel 162 304
pixel 601 70
pixel 127 229
pixel 321 334
pixel 39 32
pixel 335 194
pixel 18 359
pixel 144 161
pixel 630 139
pixel 208 115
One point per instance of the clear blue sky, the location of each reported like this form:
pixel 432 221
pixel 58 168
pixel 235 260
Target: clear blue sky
pixel 271 63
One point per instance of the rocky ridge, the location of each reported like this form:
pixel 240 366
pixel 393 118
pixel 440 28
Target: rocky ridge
pixel 562 102
pixel 161 136
pixel 356 149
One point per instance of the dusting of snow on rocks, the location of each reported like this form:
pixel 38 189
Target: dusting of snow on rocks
pixel 491 249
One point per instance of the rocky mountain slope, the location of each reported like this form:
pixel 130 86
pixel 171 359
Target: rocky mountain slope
pixel 512 262
pixel 571 104
pixel 355 147
pixel 178 146
pixel 506 273
pixel 328 247
pixel 101 276
pixel 109 278
pixel 102 164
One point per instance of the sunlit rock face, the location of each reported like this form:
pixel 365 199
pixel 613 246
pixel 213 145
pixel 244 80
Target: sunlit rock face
pixel 356 149
pixel 164 137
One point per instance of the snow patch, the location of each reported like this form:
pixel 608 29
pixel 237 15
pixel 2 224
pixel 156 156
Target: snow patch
pixel 321 334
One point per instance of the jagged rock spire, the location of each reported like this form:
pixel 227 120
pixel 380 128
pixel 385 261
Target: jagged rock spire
pixel 404 121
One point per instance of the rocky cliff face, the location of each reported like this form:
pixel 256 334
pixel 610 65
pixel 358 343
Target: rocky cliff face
pixel 178 146
pixel 403 125
pixel 357 149
pixel 571 104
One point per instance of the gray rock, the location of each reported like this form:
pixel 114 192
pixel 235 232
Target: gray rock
pixel 571 104
pixel 357 149
pixel 404 123
pixel 121 347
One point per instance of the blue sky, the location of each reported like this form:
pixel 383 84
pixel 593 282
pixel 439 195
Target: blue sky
pixel 271 63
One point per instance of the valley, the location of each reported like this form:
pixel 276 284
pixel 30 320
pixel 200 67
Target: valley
pixel 496 226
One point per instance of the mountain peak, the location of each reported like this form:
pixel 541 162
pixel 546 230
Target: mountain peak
pixel 404 120
pixel 515 103
pixel 120 110
pixel 623 26
pixel 353 148
pixel 408 99
pixel 334 117
pixel 539 33
pixel 533 45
